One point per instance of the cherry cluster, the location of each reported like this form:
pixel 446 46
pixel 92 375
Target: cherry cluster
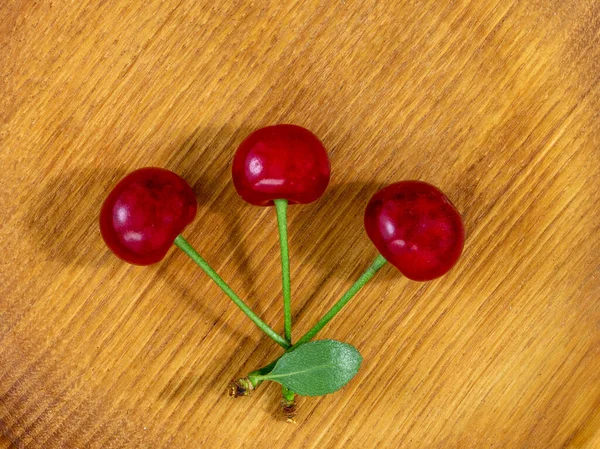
pixel 413 225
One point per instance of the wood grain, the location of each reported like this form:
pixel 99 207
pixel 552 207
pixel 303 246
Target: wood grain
pixel 495 102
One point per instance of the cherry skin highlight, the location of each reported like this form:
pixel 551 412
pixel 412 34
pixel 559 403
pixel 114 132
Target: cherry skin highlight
pixel 416 228
pixel 281 162
pixel 144 213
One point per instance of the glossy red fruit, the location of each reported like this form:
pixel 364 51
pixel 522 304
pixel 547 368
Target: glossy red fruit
pixel 281 162
pixel 416 228
pixel 144 213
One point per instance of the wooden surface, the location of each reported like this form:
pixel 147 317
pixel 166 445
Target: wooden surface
pixel 496 102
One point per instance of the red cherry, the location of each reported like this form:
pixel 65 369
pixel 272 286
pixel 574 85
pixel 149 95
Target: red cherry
pixel 416 228
pixel 144 213
pixel 281 162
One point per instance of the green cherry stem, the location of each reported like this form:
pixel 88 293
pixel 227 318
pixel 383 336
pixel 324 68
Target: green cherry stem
pixel 352 291
pixel 182 244
pixel 281 208
pixel 288 403
pixel 288 395
pixel 255 376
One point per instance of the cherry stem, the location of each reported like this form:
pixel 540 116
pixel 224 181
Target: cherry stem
pixel 288 394
pixel 281 208
pixel 288 403
pixel 352 291
pixel 379 262
pixel 182 244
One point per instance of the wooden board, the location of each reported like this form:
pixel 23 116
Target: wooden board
pixel 496 102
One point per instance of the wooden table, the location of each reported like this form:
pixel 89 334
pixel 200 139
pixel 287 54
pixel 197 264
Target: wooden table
pixel 495 102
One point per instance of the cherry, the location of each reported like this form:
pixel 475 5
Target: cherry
pixel 281 162
pixel 416 228
pixel 144 213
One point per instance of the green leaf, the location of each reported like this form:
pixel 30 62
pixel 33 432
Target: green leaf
pixel 316 368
